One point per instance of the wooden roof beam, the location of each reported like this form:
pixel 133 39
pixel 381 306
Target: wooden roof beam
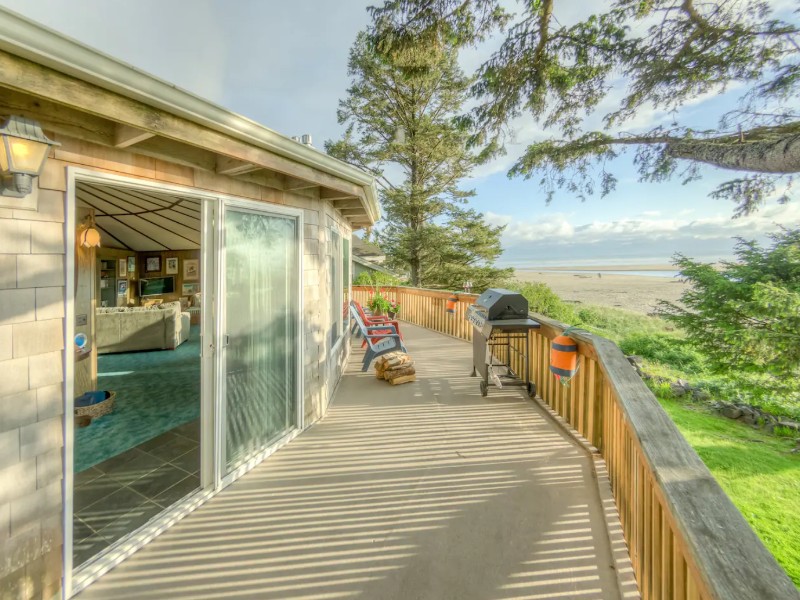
pixel 359 224
pixel 176 152
pixel 335 195
pixel 125 135
pixel 56 118
pixel 264 177
pixel 46 84
pixel 231 166
pixel 294 184
pixel 348 204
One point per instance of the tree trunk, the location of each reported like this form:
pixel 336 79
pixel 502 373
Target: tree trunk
pixel 415 224
pixel 415 273
pixel 781 155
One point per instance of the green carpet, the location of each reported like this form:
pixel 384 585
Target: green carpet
pixel 156 391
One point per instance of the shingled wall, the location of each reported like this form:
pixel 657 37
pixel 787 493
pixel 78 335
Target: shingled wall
pixel 32 280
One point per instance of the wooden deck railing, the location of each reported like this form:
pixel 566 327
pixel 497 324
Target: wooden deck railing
pixel 686 538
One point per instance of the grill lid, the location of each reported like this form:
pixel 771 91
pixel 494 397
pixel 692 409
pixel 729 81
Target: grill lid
pixel 500 304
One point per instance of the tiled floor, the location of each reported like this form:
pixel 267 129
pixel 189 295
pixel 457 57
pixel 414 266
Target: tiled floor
pixel 122 493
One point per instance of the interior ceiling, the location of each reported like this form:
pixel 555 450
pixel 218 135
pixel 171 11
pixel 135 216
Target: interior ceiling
pixel 142 220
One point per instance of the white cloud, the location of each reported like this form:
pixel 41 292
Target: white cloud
pixel 557 235
pixel 554 227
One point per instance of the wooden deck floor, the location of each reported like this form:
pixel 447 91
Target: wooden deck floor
pixel 420 491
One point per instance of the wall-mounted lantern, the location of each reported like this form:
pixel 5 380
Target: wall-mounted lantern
pixel 23 152
pixel 88 236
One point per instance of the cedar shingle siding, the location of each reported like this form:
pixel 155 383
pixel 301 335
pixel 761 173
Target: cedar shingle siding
pixel 31 398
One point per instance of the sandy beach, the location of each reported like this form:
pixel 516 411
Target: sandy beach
pixel 639 293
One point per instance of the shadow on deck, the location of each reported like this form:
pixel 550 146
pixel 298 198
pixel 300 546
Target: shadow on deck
pixel 420 491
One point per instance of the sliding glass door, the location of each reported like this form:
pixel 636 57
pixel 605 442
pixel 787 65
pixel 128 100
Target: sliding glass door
pixel 174 393
pixel 260 331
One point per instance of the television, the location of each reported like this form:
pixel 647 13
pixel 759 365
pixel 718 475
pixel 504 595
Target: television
pixel 157 286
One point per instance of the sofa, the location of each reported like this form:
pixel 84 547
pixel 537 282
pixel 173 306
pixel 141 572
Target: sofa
pixel 161 327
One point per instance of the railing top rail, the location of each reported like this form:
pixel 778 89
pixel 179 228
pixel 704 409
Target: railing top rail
pixel 420 291
pixel 729 556
pixel 730 559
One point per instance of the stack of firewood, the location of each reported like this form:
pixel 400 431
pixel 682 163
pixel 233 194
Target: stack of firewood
pixel 396 368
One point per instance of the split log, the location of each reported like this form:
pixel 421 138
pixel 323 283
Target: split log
pixel 398 367
pixel 405 379
pixel 398 360
pixel 393 366
pixel 392 375
pixel 382 360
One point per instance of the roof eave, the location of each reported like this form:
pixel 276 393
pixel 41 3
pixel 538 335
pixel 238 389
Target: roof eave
pixel 30 40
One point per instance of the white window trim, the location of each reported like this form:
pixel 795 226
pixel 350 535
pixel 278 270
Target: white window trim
pixel 336 281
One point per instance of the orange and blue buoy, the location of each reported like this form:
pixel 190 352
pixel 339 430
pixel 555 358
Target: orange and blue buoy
pixel 564 358
pixel 451 304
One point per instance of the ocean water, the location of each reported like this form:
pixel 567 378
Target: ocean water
pixel 643 272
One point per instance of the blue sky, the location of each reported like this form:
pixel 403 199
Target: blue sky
pixel 284 64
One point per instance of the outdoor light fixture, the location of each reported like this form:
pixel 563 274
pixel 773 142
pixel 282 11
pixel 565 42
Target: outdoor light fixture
pixel 88 236
pixel 23 152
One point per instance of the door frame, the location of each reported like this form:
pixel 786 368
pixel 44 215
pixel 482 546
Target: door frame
pixel 212 208
pixel 338 351
pixel 279 211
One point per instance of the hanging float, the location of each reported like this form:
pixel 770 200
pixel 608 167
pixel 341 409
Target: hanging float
pixel 564 358
pixel 451 304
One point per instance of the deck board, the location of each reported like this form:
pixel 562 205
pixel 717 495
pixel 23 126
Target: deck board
pixel 419 491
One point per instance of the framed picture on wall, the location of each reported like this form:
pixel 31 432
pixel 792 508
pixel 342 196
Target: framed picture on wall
pixel 152 264
pixel 190 289
pixel 131 264
pixel 172 265
pixel 122 270
pixel 191 269
pixel 122 287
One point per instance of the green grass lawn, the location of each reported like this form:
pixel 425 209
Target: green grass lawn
pixel 758 473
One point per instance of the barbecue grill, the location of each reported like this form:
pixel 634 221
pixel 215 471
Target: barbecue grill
pixel 498 317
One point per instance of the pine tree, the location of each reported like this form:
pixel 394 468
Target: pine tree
pixel 670 53
pixel 404 124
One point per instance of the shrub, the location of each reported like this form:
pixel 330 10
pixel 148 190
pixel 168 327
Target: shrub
pixel 745 315
pixel 782 431
pixel 543 300
pixel 616 324
pixel 665 349
pixel 378 304
pixel 374 278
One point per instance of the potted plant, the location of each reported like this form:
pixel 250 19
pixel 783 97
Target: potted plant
pixel 394 308
pixel 378 304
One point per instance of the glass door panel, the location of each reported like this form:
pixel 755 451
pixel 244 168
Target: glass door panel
pixel 261 330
